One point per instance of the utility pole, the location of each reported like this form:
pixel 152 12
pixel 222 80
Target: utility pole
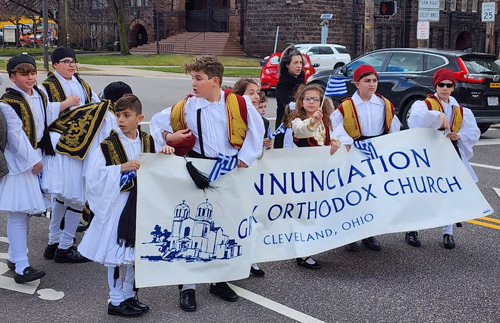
pixel 490 37
pixel 63 23
pixel 45 38
pixel 369 26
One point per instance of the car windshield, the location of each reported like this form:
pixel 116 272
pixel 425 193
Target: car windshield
pixel 275 60
pixel 482 65
pixel 301 49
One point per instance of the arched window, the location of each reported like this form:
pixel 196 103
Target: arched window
pixel 186 231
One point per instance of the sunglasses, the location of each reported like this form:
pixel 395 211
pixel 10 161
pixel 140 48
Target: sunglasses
pixel 448 85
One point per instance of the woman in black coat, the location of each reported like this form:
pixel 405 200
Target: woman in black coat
pixel 291 76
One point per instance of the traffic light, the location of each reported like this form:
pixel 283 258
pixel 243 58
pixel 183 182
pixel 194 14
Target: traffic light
pixel 387 8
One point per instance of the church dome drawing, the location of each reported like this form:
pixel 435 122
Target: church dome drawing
pixel 193 239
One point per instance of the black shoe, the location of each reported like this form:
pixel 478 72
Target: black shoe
pixel 124 310
pixel 449 242
pixel 50 251
pixel 411 238
pixel 257 272
pixel 302 262
pixel 223 291
pixel 372 243
pixel 188 300
pixel 70 255
pixel 81 227
pixel 135 303
pixel 29 274
pixel 351 247
pixel 11 265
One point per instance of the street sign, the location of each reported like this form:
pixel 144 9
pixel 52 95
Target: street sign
pixel 428 4
pixel 428 15
pixel 423 30
pixel 488 12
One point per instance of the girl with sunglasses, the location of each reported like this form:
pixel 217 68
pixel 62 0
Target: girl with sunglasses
pixel 441 111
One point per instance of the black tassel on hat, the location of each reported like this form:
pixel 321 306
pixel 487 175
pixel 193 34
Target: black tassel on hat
pixel 200 180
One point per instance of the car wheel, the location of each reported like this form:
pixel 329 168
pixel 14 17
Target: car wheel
pixel 483 127
pixel 338 65
pixel 406 112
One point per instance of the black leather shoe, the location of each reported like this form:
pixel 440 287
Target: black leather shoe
pixel 11 265
pixel 70 255
pixel 188 300
pixel 135 303
pixel 29 274
pixel 124 310
pixel 257 272
pixel 449 242
pixel 302 262
pixel 351 247
pixel 371 243
pixel 223 291
pixel 50 251
pixel 412 239
pixel 81 227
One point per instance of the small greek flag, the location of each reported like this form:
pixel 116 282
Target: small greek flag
pixel 336 86
pixel 367 148
pixel 281 129
pixel 127 176
pixel 223 165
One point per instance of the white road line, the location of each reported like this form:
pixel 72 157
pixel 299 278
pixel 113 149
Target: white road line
pixel 272 305
pixel 485 166
pixel 486 142
pixel 497 190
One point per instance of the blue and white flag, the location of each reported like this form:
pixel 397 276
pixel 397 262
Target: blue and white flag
pixel 367 148
pixel 126 177
pixel 223 165
pixel 281 129
pixel 336 86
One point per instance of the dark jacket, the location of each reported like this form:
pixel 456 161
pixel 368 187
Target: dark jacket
pixel 285 90
pixel 3 141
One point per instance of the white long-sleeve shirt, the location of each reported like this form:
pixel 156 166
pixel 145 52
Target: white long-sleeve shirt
pixel 371 117
pixel 214 129
pixel 422 117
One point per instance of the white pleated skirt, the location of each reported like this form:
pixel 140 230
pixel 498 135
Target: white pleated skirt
pixel 100 240
pixel 22 193
pixel 62 176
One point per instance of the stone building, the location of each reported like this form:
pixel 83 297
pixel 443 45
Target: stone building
pixel 253 23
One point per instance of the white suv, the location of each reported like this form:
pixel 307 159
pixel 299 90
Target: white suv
pixel 328 56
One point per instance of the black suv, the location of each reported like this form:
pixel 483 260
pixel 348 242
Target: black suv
pixel 405 75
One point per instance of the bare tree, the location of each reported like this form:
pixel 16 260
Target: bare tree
pixel 118 9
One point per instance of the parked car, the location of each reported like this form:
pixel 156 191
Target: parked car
pixel 405 76
pixel 327 56
pixel 269 74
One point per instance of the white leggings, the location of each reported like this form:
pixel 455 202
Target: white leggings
pixel 118 290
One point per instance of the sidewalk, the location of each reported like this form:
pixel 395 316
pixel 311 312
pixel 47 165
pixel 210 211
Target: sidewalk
pixel 118 70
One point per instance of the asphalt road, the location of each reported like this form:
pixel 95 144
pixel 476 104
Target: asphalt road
pixel 398 284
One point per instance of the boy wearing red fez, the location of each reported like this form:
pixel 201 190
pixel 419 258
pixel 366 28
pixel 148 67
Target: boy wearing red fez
pixel 441 111
pixel 364 115
pixel 198 127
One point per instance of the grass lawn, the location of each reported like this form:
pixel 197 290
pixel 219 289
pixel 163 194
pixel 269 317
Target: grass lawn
pixel 228 71
pixel 159 60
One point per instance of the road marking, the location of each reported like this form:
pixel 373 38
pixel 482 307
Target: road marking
pixel 485 166
pixel 486 142
pixel 497 190
pixel 49 294
pixel 274 306
pixel 484 224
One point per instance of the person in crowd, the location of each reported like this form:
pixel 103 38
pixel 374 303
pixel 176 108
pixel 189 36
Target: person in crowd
pixel 441 111
pixel 364 115
pixel 291 76
pixel 27 113
pixel 311 126
pixel 198 127
pixel 112 196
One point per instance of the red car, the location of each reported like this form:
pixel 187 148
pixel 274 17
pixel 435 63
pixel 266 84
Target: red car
pixel 269 74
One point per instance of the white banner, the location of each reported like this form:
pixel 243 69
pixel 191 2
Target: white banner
pixel 294 203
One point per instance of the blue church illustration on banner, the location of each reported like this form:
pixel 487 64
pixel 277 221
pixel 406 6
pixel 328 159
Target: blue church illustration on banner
pixel 193 238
